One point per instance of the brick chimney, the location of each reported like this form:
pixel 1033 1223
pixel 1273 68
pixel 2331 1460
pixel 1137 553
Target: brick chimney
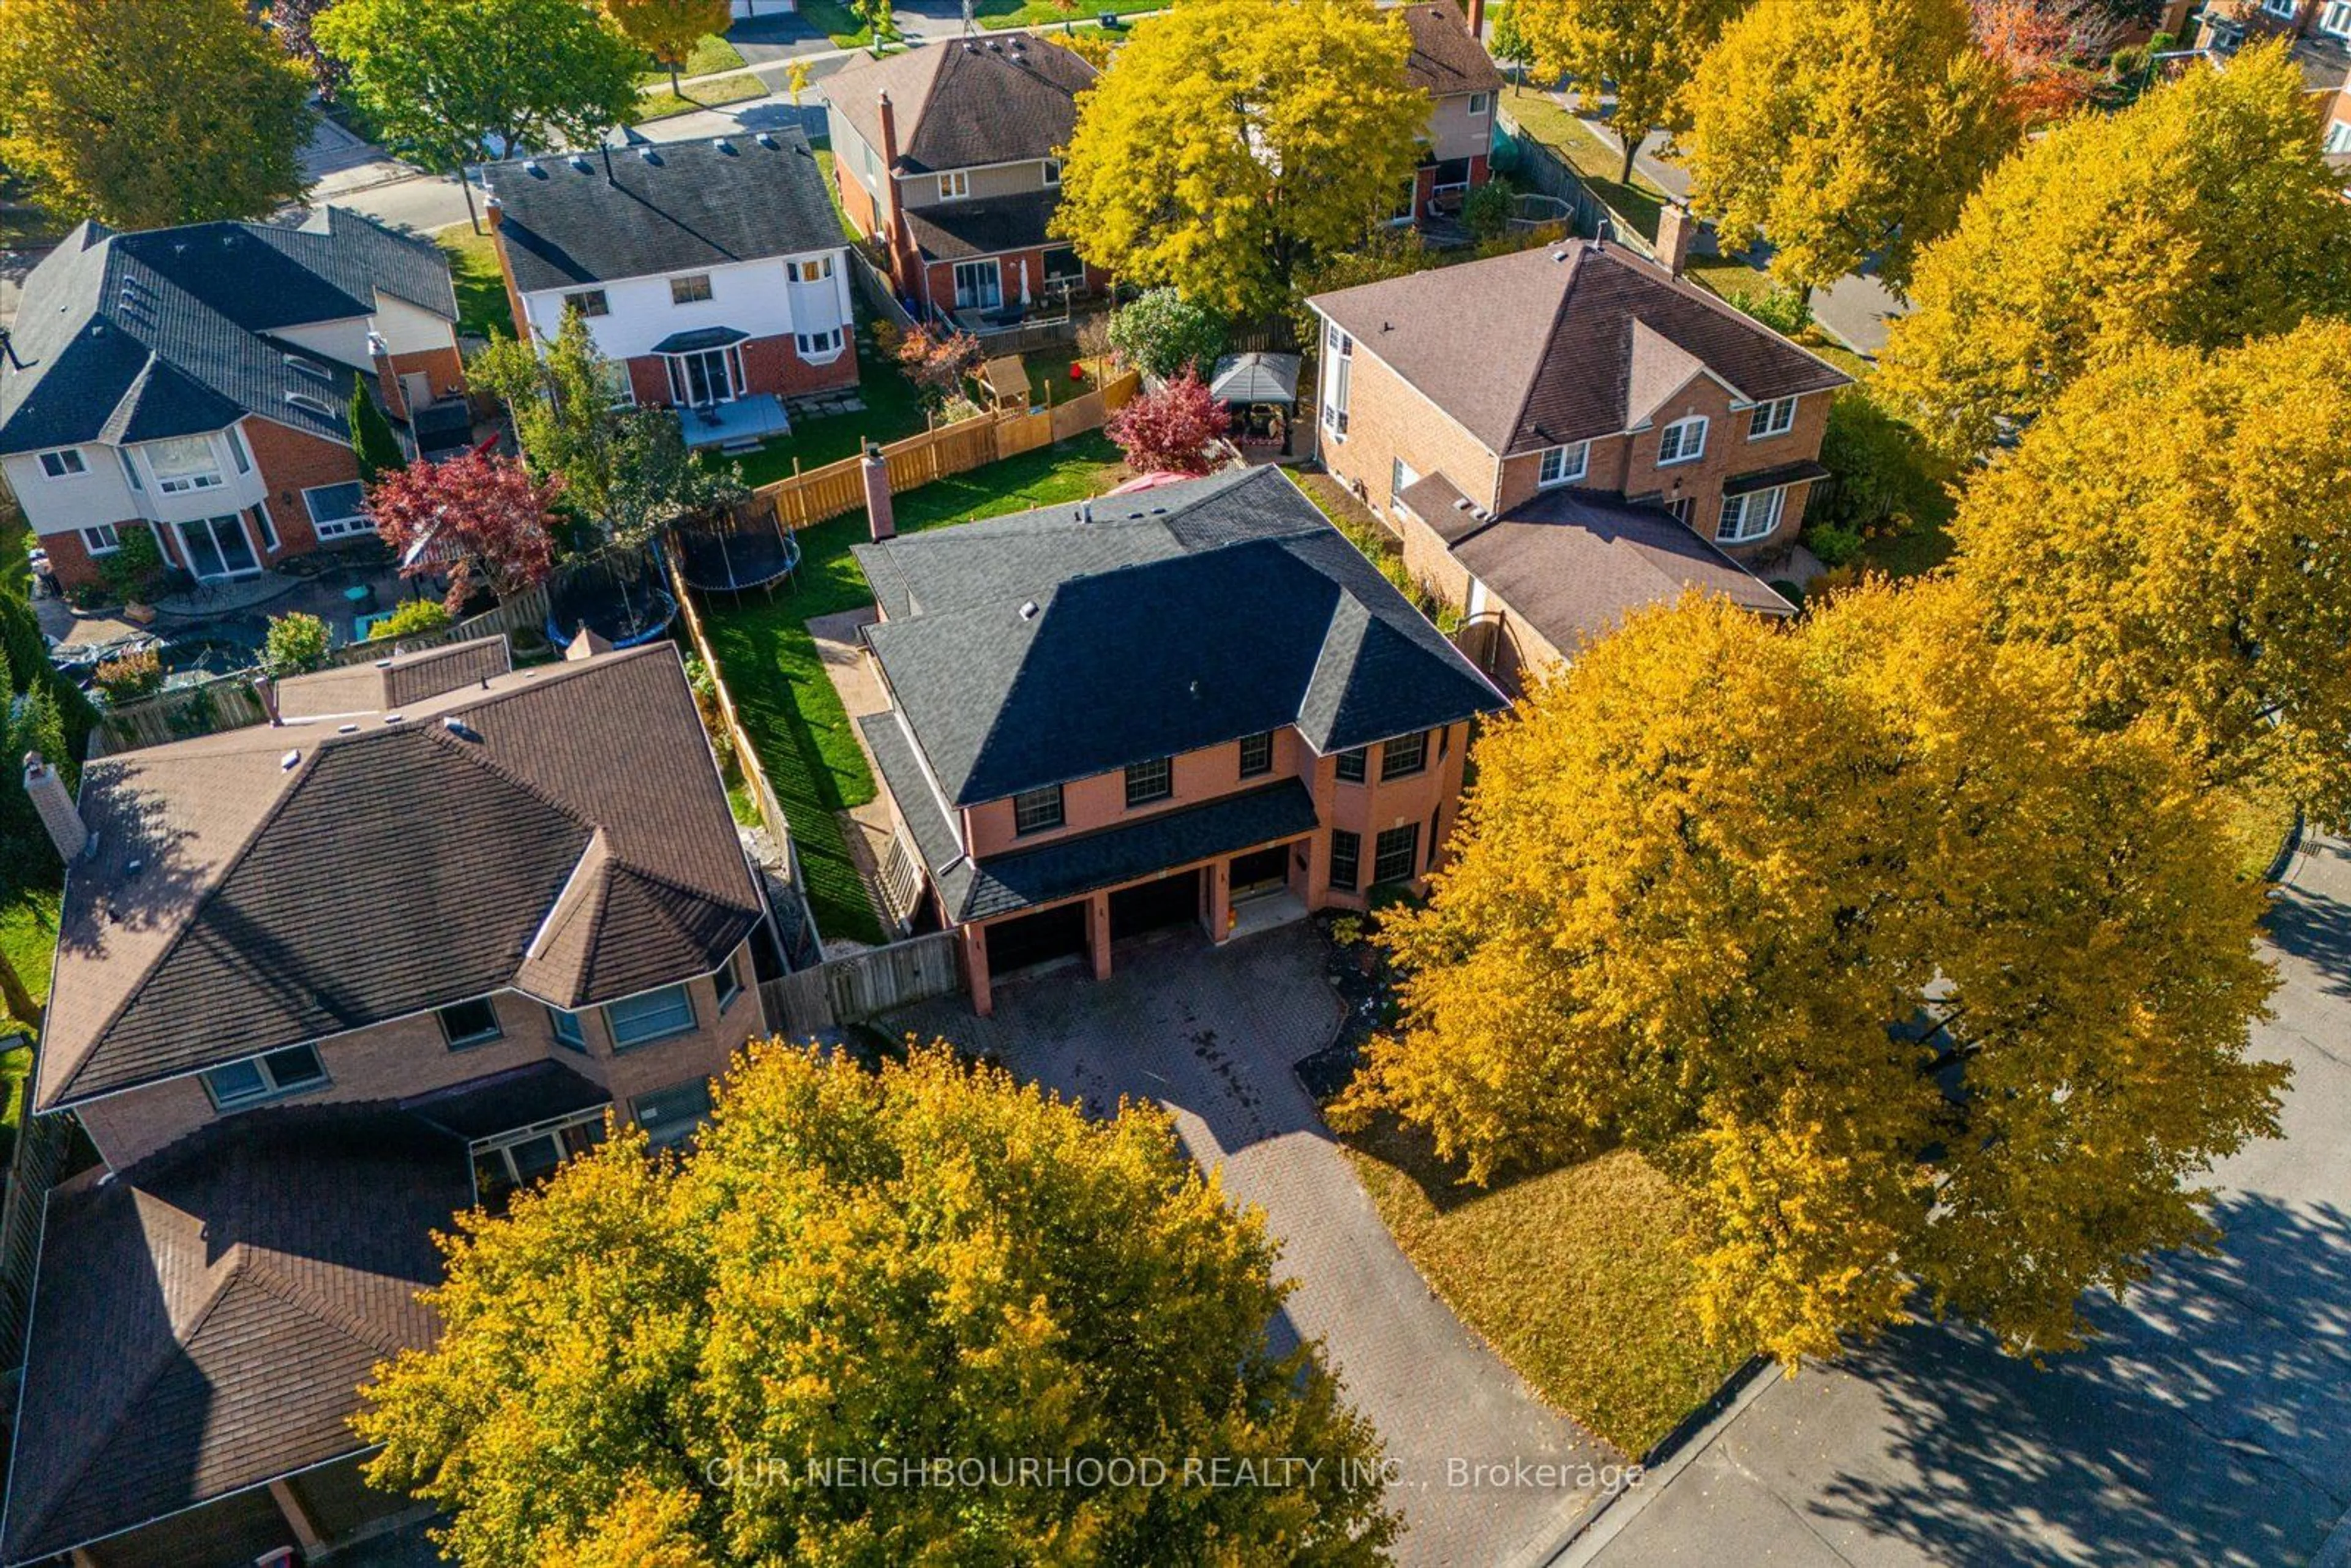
pixel 1477 19
pixel 1676 229
pixel 875 472
pixel 56 807
pixel 893 218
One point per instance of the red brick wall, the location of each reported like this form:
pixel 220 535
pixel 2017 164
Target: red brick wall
pixel 774 365
pixel 649 380
pixel 445 366
pixel 938 277
pixel 291 462
pixel 70 558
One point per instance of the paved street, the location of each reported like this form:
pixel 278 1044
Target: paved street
pixel 1212 1034
pixel 2213 1427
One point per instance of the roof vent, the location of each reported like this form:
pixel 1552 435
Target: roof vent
pixel 384 663
pixel 1085 512
pixel 461 729
pixel 723 145
pixel 311 368
pixel 286 763
pixel 309 404
pixel 530 167
pixel 766 138
pixel 347 730
pixel 580 164
pixel 651 154
pixel 1460 503
pixel 133 867
pixel 1029 611
pixel 393 717
pixel 1559 256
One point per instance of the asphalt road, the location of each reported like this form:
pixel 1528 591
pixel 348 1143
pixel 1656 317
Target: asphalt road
pixel 2212 1426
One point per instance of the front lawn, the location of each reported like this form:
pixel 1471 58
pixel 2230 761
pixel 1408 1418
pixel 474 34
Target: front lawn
pixel 711 56
pixel 805 737
pixel 711 94
pixel 893 411
pixel 1572 1276
pixel 482 301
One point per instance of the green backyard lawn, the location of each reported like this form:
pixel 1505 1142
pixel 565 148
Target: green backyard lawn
pixel 28 935
pixel 892 411
pixel 482 302
pixel 770 664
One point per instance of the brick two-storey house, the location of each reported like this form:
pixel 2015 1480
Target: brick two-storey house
pixel 2318 32
pixel 712 274
pixel 1564 433
pixel 321 983
pixel 1452 68
pixel 194 382
pixel 1155 709
pixel 949 156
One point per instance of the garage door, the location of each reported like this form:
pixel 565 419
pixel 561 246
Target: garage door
pixel 1036 939
pixel 1147 907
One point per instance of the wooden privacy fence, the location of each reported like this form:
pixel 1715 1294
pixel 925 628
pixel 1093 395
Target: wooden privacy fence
pixel 839 488
pixel 1535 166
pixel 861 984
pixel 43 1146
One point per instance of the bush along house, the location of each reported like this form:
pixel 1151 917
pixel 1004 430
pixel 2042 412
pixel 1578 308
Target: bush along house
pixel 321 983
pixel 195 382
pixel 1566 434
pixel 1452 68
pixel 1194 706
pixel 948 158
pixel 712 274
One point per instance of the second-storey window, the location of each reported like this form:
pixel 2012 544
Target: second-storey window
pixel 568 1030
pixel 469 1024
pixel 730 985
pixel 1052 170
pixel 1563 464
pixel 1404 756
pixel 270 1077
pixel 1684 441
pixel 1351 765
pixel 1477 102
pixel 1749 517
pixel 63 464
pixel 1774 418
pixel 1338 365
pixel 656 1015
pixel 1149 781
pixel 815 271
pixel 1035 810
pixel 1257 754
pixel 692 289
pixel 185 463
pixel 2338 135
pixel 589 302
pixel 2336 19
pixel 954 186
pixel 2282 9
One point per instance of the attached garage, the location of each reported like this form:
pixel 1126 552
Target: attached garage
pixel 1031 939
pixel 1150 905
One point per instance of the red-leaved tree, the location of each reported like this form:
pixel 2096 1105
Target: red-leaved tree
pixel 1168 431
pixel 939 360
pixel 483 519
pixel 2048 46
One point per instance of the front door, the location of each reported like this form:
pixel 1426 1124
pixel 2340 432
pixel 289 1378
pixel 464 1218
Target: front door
pixel 699 379
pixel 216 549
pixel 980 285
pixel 1261 871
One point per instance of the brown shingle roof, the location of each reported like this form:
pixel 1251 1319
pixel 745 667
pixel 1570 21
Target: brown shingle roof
pixel 561 829
pixel 1003 99
pixel 392 682
pixel 1573 563
pixel 203 1321
pixel 1445 59
pixel 1549 345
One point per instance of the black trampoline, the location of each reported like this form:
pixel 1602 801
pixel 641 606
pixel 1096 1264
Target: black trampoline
pixel 725 557
pixel 619 597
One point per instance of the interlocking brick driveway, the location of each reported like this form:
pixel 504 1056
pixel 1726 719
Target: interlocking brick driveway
pixel 1212 1035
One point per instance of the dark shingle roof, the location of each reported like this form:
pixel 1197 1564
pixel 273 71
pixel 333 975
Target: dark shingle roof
pixel 137 337
pixel 665 207
pixel 1004 99
pixel 560 830
pixel 1176 618
pixel 203 1320
pixel 951 230
pixel 1550 346
pixel 1573 563
pixel 1444 58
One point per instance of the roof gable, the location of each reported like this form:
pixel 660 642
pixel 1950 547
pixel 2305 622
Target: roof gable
pixel 1446 60
pixel 1006 97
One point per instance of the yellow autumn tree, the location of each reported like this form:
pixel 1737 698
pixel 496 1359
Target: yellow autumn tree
pixel 668 30
pixel 1228 142
pixel 658 1362
pixel 2175 528
pixel 2202 215
pixel 1843 131
pixel 1642 50
pixel 1709 884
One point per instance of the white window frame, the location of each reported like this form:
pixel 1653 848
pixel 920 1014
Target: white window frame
pixel 335 528
pixel 2338 136
pixel 272 1088
pixel 815 271
pixel 1563 464
pixel 1401 478
pixel 1478 104
pixel 954 185
pixel 578 300
pixel 688 280
pixel 2334 20
pixel 570 1029
pixel 236 450
pixel 69 464
pixel 1776 417
pixel 1680 430
pixel 190 480
pixel 1052 170
pixel 2283 10
pixel 1735 523
pixel 503 1145
pixel 1030 815
pixel 100 538
pixel 624 1040
pixel 266 526
pixel 129 470
pixel 810 355
pixel 1338 372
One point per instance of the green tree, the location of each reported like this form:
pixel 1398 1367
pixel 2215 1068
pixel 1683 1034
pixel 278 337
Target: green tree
pixel 1702 872
pixel 297 641
pixel 926 1262
pixel 668 30
pixel 146 113
pixel 1160 332
pixel 1506 41
pixel 1231 143
pixel 1843 131
pixel 2200 579
pixel 2202 216
pixel 373 442
pixel 454 81
pixel 1644 50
